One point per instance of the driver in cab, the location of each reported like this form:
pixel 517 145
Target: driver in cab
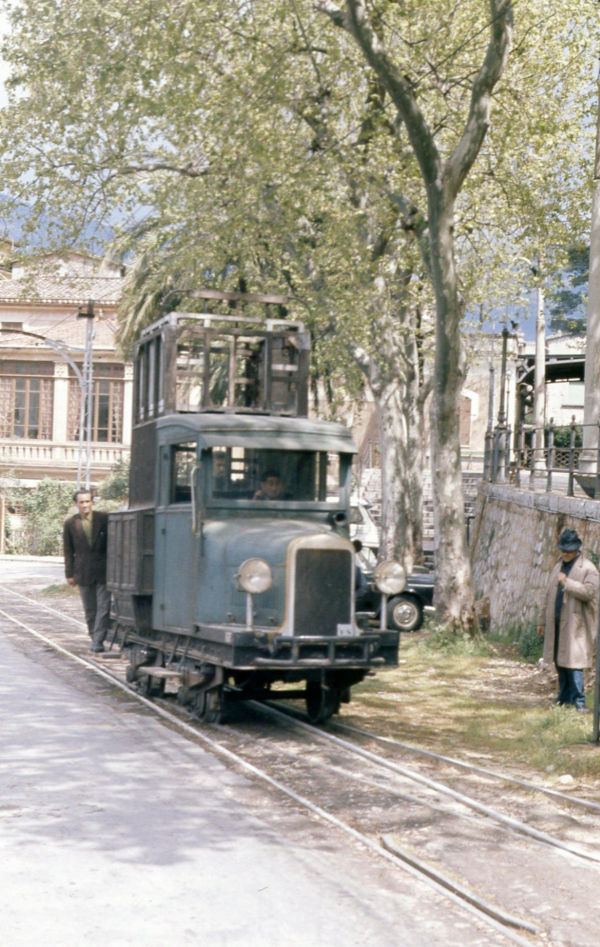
pixel 271 487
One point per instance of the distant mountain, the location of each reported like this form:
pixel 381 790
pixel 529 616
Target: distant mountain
pixel 13 227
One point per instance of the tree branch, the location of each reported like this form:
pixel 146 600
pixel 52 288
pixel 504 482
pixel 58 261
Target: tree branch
pixel 468 147
pixel 187 170
pixel 356 22
pixel 332 11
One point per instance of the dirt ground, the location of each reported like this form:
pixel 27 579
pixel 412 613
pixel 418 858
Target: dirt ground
pixel 495 706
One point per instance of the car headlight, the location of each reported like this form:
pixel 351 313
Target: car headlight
pixel 255 576
pixel 390 577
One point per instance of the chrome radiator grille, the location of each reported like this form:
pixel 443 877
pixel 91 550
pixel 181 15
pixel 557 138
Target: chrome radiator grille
pixel 323 592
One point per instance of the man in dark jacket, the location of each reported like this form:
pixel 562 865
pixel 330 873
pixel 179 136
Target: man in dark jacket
pixel 84 545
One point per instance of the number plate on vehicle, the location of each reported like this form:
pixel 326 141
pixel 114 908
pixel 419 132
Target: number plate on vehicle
pixel 344 631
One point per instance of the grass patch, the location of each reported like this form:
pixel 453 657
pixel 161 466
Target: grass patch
pixel 450 643
pixel 529 644
pixel 482 698
pixel 62 588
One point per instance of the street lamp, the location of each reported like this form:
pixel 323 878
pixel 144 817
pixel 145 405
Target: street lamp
pixel 501 406
pixel 87 395
pixel 539 382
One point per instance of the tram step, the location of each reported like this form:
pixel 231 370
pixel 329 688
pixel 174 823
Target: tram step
pixel 158 672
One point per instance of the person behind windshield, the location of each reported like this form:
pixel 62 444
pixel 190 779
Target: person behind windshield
pixel 219 472
pixel 271 487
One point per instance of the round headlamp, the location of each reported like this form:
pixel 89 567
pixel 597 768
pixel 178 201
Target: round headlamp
pixel 255 576
pixel 389 577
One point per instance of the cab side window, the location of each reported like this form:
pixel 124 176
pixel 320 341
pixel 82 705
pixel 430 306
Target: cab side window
pixel 183 459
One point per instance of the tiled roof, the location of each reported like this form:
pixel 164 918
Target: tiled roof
pixel 67 290
pixel 43 297
pixel 71 331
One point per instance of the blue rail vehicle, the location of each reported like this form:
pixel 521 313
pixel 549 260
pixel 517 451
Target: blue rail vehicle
pixel 232 571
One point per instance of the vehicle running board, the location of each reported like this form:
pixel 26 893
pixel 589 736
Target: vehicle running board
pixel 315 662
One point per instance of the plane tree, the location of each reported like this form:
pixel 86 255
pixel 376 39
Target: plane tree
pixel 202 142
pixel 442 76
pixel 349 152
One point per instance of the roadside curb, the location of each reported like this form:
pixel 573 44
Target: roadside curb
pixel 7 557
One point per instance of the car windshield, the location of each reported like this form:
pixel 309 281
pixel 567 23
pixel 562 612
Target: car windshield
pixel 242 473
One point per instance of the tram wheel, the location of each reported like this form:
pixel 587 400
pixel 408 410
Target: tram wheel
pixel 214 705
pixel 197 703
pixel 208 704
pixel 151 686
pixel 136 660
pixel 321 701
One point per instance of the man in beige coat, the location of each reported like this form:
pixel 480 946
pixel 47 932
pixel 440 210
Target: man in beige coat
pixel 570 609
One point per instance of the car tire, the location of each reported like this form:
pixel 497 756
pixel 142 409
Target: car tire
pixel 404 613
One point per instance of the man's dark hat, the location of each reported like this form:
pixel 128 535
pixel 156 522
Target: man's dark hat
pixel 569 540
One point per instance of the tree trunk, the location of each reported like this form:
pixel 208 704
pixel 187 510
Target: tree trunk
pixel 456 606
pixel 394 377
pixel 400 427
pixel 443 179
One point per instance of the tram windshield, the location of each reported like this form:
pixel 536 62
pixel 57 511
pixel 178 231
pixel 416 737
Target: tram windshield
pixel 242 473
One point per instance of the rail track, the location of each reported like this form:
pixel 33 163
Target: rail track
pixel 446 821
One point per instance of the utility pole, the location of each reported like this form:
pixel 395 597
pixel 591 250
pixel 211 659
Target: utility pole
pixel 87 397
pixel 591 406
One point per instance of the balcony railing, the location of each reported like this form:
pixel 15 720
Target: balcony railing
pixel 23 455
pixel 551 459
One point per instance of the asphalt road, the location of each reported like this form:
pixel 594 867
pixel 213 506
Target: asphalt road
pixel 39 571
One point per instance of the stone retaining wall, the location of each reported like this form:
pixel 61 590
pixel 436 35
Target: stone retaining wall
pixel 513 548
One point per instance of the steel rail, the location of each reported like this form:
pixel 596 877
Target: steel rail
pixel 294 714
pixel 473 767
pixel 520 827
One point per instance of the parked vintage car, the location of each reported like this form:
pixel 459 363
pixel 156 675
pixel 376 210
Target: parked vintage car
pixel 405 611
